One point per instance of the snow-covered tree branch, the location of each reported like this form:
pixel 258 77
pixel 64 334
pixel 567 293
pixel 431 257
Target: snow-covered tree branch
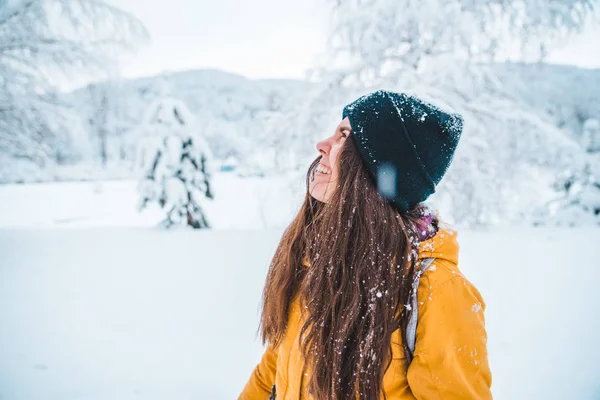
pixel 44 43
pixel 379 37
pixel 446 51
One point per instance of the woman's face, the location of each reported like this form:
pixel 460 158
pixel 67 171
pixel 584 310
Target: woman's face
pixel 326 174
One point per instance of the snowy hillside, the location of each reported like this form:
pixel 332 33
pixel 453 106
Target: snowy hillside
pixel 125 314
pixel 208 93
pixel 236 114
pixel 230 109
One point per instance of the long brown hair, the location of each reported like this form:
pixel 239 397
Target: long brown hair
pixel 362 254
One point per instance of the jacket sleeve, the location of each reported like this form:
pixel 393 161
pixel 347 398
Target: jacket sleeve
pixel 450 359
pixel 262 378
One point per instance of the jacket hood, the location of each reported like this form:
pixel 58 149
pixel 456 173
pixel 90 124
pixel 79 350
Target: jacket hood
pixel 444 245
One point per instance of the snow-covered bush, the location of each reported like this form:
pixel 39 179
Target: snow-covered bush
pixel 591 136
pixel 577 199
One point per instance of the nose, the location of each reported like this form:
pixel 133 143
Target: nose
pixel 324 147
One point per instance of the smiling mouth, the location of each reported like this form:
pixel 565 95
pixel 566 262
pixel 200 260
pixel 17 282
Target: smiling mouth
pixel 321 169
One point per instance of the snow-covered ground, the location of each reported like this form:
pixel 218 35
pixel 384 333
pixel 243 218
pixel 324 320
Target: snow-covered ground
pixel 240 203
pixel 133 312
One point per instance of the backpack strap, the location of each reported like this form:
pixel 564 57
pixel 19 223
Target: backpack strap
pixel 413 307
pixel 273 393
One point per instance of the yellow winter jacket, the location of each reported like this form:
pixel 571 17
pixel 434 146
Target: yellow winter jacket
pixel 450 358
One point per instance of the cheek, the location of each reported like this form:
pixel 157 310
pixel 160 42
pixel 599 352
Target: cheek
pixel 334 157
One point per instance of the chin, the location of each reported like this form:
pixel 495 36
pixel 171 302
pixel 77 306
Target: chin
pixel 321 189
pixel 316 196
pixel 320 193
pixel 316 192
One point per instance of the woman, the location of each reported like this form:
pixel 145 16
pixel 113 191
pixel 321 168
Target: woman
pixel 364 298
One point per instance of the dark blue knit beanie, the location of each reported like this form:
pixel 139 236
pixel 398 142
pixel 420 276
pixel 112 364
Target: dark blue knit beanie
pixel 406 144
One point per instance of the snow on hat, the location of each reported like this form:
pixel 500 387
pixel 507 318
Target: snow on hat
pixel 406 144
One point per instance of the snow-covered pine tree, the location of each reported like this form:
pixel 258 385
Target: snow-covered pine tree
pixel 174 162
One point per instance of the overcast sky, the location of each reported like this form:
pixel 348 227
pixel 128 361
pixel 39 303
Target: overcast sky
pixel 259 38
